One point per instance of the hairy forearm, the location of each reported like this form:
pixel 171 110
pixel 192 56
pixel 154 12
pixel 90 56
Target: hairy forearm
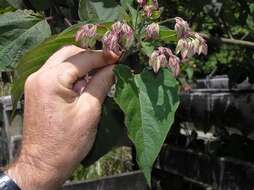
pixel 30 173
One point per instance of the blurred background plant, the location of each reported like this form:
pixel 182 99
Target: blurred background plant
pixel 223 21
pixel 115 162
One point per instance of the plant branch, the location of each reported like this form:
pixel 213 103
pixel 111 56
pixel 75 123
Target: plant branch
pixel 229 41
pixel 67 21
pixel 49 18
pixel 167 20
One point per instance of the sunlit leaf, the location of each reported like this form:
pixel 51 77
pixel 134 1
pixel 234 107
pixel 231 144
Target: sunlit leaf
pixel 20 31
pixel 149 102
pixel 105 10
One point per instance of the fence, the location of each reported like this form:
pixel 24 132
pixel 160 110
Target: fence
pixel 10 132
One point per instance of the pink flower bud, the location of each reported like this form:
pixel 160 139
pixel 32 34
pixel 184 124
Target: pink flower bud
pixel 152 31
pixel 191 44
pixel 163 57
pixel 165 51
pixel 119 38
pixel 110 43
pixel 157 61
pixel 87 36
pixel 182 28
pixel 174 65
pixel 156 4
pixel 200 44
pixel 148 9
pixel 141 3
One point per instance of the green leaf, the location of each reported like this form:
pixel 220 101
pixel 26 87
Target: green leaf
pixel 251 6
pixel 105 10
pixel 167 35
pixel 19 32
pixel 149 102
pixel 125 3
pixel 135 16
pixel 111 132
pixel 147 48
pixel 41 5
pixel 18 4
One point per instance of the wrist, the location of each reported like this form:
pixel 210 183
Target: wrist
pixel 30 173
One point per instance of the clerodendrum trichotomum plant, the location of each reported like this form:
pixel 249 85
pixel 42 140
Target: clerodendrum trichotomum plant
pixel 146 87
pixel 145 96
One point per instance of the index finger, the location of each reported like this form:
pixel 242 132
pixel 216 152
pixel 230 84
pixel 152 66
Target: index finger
pixel 82 63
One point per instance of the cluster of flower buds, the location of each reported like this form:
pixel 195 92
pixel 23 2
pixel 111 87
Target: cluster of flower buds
pixel 152 31
pixel 190 43
pixel 163 57
pixel 87 36
pixel 149 6
pixel 119 38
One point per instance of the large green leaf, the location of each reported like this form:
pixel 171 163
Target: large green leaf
pixel 125 3
pixel 19 32
pixel 18 4
pixel 104 10
pixel 111 132
pixel 149 102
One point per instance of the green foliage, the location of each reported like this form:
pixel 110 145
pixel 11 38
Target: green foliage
pixel 167 35
pixel 149 112
pixel 18 4
pixel 106 10
pixel 220 18
pixel 20 31
pixel 5 7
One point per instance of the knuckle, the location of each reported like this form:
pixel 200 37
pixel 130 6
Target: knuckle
pixel 64 76
pixel 38 80
pixel 30 81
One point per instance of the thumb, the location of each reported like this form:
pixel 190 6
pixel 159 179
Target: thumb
pixel 99 85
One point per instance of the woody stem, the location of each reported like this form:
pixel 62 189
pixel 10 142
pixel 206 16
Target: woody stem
pixel 167 20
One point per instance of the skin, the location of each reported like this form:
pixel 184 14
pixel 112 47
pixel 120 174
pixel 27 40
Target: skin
pixel 61 114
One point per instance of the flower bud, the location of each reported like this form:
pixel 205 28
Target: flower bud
pixel 163 57
pixel 182 28
pixel 141 3
pixel 152 31
pixel 148 9
pixel 110 43
pixel 156 4
pixel 174 65
pixel 200 45
pixel 191 44
pixel 87 36
pixel 119 38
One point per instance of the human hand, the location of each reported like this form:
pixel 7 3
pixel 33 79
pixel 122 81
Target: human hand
pixel 61 115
